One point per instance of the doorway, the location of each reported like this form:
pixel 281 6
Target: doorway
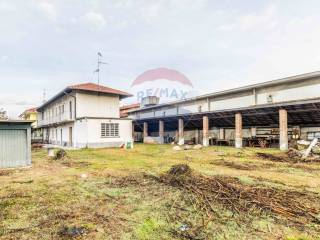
pixel 70 137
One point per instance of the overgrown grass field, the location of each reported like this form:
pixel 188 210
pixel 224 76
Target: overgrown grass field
pixel 115 194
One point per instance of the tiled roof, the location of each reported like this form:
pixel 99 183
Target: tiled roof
pixel 87 87
pixel 34 109
pixel 134 105
pixel 98 88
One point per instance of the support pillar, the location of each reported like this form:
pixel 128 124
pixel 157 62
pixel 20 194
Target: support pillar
pixel 145 129
pixel 161 131
pixel 205 131
pixel 283 129
pixel 181 132
pixel 253 132
pixel 221 133
pixel 133 131
pixel 238 130
pixel 196 136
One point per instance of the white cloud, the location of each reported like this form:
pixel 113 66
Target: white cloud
pixel 94 19
pixel 47 9
pixel 247 22
pixel 3 58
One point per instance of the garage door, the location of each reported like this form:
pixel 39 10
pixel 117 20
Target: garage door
pixel 13 148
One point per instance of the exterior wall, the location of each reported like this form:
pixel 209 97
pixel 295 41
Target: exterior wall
pixel 88 133
pixel 58 111
pixel 15 145
pixel 93 105
pixel 230 103
pixel 56 134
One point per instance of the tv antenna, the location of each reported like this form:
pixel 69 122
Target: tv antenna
pixel 99 63
pixel 44 96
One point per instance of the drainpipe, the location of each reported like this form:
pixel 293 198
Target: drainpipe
pixel 75 104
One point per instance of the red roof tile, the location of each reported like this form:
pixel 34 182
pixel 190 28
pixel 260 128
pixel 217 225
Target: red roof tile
pixel 134 105
pixel 92 87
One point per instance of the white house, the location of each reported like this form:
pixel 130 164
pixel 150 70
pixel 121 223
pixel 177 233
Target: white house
pixel 85 115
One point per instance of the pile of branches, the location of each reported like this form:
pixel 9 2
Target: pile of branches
pixel 231 194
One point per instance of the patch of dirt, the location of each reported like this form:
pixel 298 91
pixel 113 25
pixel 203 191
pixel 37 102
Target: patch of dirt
pixel 291 157
pixel 72 232
pixel 239 166
pixel 6 172
pixel 76 164
pixel 269 156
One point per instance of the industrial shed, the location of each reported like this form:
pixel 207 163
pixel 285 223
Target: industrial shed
pixel 271 114
pixel 15 143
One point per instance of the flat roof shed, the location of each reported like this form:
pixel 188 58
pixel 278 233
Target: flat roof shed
pixel 15 143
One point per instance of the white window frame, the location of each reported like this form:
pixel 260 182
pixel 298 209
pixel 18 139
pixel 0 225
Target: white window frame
pixel 109 130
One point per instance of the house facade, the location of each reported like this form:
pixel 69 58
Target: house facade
pixel 85 115
pixel 31 115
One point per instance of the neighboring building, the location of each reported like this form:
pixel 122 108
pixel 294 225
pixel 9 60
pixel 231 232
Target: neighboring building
pixel 272 112
pixel 15 143
pixel 31 115
pixel 126 108
pixel 85 115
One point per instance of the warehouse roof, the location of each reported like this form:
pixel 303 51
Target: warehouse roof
pixel 271 83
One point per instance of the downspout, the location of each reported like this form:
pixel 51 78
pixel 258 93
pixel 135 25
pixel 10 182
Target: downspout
pixel 75 104
pixel 75 112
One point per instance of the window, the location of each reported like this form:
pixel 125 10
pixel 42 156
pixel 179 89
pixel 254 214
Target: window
pixel 109 130
pixel 70 107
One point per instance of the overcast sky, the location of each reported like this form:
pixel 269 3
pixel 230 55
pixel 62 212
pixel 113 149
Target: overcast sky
pixel 216 44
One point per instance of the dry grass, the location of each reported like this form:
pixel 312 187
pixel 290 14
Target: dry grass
pixel 117 199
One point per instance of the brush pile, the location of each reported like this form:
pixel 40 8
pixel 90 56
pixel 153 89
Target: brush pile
pixel 230 193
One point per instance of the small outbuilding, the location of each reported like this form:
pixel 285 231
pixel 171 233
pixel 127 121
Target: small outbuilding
pixel 15 143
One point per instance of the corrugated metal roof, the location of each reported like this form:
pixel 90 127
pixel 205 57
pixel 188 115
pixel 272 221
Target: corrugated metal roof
pixel 240 89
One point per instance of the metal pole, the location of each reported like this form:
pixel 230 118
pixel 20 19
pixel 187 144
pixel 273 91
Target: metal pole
pixel 98 70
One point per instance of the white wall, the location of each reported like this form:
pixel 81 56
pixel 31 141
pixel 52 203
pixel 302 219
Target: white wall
pixel 88 133
pixel 291 94
pixel 55 134
pixel 230 103
pixel 93 105
pixel 58 111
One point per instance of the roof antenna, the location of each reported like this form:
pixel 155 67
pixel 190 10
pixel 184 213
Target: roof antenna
pixel 44 96
pixel 98 69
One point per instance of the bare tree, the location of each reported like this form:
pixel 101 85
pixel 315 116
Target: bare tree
pixel 3 114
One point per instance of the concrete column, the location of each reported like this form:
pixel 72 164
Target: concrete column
pixel 283 129
pixel 238 130
pixel 253 132
pixel 181 132
pixel 221 133
pixel 205 131
pixel 145 129
pixel 161 131
pixel 196 136
pixel 132 131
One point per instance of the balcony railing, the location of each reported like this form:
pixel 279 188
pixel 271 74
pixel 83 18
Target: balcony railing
pixel 55 119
